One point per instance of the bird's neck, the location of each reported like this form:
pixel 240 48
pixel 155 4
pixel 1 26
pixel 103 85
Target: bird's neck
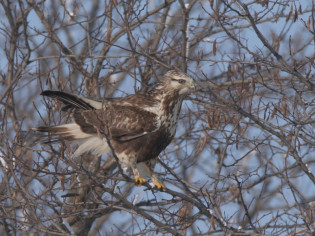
pixel 171 103
pixel 168 102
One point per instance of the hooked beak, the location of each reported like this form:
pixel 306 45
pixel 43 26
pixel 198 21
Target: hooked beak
pixel 192 86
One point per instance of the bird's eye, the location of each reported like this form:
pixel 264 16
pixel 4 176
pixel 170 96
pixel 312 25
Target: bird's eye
pixel 181 81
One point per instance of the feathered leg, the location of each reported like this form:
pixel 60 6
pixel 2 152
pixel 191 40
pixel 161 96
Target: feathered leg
pixel 146 169
pixel 137 176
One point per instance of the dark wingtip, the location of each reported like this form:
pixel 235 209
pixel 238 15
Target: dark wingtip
pixel 49 93
pixel 71 101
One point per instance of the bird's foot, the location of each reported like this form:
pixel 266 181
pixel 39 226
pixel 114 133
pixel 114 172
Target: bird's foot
pixel 140 180
pixel 159 185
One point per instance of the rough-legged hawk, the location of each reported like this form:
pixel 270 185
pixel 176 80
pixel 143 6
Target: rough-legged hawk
pixel 138 126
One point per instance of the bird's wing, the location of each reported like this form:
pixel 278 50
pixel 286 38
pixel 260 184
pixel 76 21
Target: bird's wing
pixel 73 101
pixel 118 122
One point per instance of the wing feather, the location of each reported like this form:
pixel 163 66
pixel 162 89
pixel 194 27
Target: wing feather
pixel 73 101
pixel 117 122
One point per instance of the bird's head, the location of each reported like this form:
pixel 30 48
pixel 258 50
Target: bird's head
pixel 178 81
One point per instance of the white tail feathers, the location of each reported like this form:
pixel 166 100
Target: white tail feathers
pixel 72 132
pixel 64 132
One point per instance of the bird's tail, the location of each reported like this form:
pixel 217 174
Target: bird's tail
pixel 69 132
pixel 72 132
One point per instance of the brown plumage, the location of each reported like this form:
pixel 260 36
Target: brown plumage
pixel 138 126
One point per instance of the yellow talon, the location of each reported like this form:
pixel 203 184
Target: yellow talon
pixel 139 180
pixel 159 185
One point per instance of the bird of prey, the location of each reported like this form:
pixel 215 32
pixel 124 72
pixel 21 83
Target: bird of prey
pixel 136 127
